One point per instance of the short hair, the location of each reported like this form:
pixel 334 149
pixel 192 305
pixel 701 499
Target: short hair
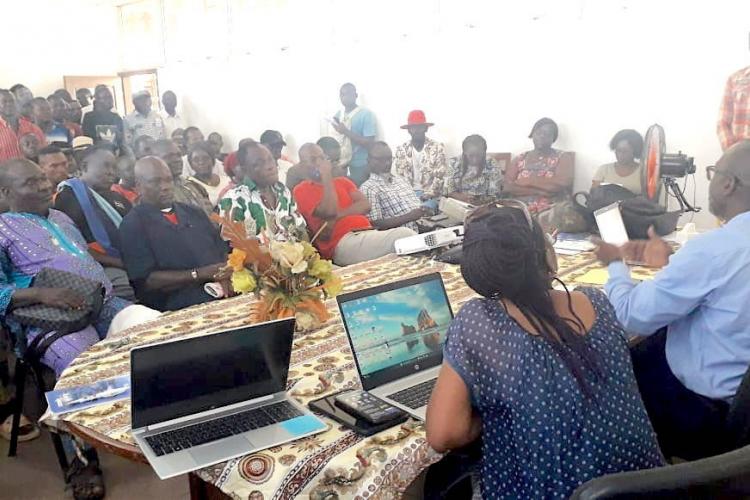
pixel 542 122
pixel 215 134
pixel 17 87
pixel 327 142
pixel 178 131
pixel 53 97
pixel 379 143
pixel 92 150
pixel 191 128
pixel 161 145
pixel 39 100
pixel 200 146
pixel 63 94
pixel 348 84
pixel 242 150
pixel 99 87
pixel 82 90
pixel 474 140
pixel 49 150
pixel 7 92
pixel 633 137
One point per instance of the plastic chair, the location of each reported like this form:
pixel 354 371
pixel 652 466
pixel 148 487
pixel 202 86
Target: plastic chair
pixel 722 476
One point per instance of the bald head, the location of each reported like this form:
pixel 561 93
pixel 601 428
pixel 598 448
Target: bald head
pixel 737 160
pixel 311 157
pixel 154 182
pixel 729 191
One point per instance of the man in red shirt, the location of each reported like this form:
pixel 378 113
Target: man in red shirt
pixel 13 127
pixel 335 211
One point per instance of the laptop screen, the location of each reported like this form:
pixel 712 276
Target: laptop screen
pixel 185 377
pixel 397 329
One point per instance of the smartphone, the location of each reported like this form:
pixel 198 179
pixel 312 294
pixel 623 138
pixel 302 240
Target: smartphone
pixel 328 407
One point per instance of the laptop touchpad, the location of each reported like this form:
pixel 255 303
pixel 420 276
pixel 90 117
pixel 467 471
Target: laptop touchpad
pixel 221 450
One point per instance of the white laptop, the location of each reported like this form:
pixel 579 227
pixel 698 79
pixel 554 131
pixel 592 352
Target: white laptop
pixel 204 400
pixel 396 332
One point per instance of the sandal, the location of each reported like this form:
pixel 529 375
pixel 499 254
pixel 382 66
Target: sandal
pixel 26 429
pixel 85 482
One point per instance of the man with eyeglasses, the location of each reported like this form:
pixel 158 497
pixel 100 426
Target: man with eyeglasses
pixel 696 316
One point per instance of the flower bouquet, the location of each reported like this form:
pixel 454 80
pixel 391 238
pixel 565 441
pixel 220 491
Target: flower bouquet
pixel 288 276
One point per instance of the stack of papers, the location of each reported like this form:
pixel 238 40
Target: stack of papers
pixel 573 247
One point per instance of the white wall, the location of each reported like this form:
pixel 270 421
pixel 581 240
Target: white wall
pixel 43 40
pixel 493 68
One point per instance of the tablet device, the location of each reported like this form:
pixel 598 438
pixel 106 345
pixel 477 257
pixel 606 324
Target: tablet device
pixel 328 407
pixel 611 227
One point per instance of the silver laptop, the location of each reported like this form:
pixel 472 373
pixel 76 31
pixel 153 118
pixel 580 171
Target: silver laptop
pixel 397 332
pixel 204 400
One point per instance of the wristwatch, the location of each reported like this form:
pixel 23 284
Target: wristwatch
pixel 194 274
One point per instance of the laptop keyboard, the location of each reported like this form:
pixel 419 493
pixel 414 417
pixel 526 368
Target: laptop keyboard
pixel 213 430
pixel 416 396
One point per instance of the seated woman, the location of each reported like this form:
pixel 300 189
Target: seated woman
pixel 543 176
pixel 473 177
pixel 543 376
pixel 202 162
pixel 626 171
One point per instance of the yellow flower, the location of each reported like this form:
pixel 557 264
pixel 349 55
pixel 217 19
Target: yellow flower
pixel 237 259
pixel 321 268
pixel 243 281
pixel 333 286
pixel 289 255
pixel 305 320
pixel 309 249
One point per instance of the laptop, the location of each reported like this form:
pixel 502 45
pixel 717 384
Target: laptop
pixel 204 400
pixel 396 332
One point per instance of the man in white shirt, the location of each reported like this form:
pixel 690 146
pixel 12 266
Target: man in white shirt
pixel 144 120
pixel 172 119
pixel 274 141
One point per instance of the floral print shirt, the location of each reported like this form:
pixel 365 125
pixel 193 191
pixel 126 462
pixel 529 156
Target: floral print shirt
pixel 433 165
pixel 486 184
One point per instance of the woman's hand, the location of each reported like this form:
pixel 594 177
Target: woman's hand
pixel 61 298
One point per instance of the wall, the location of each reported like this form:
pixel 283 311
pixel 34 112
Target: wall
pixel 46 39
pixel 493 68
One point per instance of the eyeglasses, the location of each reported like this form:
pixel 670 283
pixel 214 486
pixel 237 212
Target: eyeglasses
pixel 711 170
pixel 483 211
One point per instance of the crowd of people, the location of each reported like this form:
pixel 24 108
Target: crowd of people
pixel 545 377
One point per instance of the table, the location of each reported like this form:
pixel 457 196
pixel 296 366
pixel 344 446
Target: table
pixel 334 464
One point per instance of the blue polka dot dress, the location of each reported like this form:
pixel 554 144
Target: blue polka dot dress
pixel 541 437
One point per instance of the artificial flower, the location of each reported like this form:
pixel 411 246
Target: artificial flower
pixel 236 259
pixel 309 249
pixel 333 286
pixel 243 281
pixel 321 268
pixel 290 255
pixel 305 320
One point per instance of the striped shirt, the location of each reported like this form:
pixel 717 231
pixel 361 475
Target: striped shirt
pixel 734 120
pixel 9 146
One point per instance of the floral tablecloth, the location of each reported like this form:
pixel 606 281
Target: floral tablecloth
pixel 335 463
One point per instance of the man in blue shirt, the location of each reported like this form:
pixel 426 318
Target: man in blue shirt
pixel 357 130
pixel 699 307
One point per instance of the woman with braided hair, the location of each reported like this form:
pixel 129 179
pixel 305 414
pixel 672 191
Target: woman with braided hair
pixel 542 375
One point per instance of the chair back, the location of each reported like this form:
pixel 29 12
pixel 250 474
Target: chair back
pixel 738 417
pixel 722 476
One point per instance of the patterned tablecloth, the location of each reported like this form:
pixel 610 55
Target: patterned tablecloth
pixel 335 463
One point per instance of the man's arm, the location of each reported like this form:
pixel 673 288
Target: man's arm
pixel 359 206
pixel 106 260
pixel 390 223
pixel 674 293
pixel 726 117
pixel 328 206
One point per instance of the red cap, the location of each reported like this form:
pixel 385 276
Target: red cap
pixel 416 117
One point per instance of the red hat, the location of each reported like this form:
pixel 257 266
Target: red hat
pixel 416 117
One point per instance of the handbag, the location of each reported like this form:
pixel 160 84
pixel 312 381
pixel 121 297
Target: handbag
pixel 50 318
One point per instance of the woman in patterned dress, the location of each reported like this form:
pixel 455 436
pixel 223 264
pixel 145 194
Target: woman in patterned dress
pixel 543 376
pixel 543 176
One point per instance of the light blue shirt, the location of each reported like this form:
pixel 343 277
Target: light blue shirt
pixel 703 297
pixel 363 123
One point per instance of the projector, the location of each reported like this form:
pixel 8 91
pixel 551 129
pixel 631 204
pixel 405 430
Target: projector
pixel 455 209
pixel 428 241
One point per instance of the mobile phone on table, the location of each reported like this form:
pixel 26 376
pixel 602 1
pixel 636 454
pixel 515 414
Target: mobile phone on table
pixel 327 406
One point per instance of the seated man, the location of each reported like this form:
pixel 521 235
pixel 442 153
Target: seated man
pixel 171 250
pixel 126 173
pixel 217 144
pixel 262 202
pixel 274 141
pixel 393 202
pixel 184 192
pixel 332 151
pixel 696 314
pixel 335 213
pixel 421 161
pixel 34 237
pixel 97 212
pixel 143 146
pixel 55 133
pixel 54 164
pixel 473 177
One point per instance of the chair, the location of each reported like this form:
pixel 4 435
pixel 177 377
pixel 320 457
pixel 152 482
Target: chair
pixel 28 360
pixel 722 476
pixel 502 160
pixel 738 417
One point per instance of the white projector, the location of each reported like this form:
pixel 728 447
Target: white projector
pixel 428 241
pixel 455 209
